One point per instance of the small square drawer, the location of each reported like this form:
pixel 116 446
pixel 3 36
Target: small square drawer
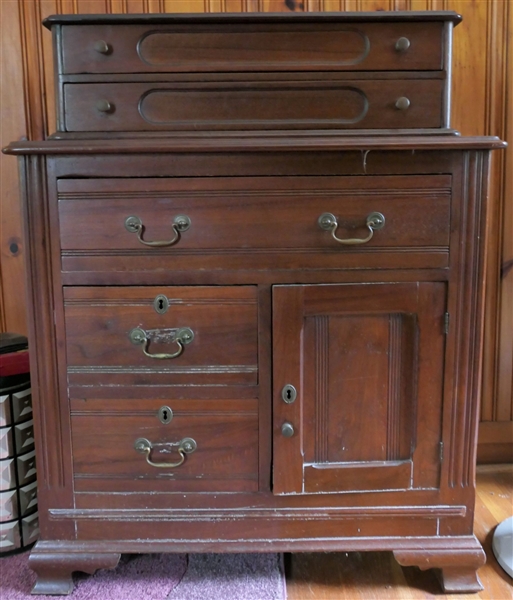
pixel 30 528
pixel 28 498
pixel 5 410
pixel 6 442
pixel 10 538
pixel 26 467
pixel 144 337
pixel 9 508
pixel 199 448
pixel 252 47
pixel 7 474
pixel 22 405
pixel 24 436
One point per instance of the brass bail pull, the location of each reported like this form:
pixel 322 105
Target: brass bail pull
pixel 181 223
pixel 140 337
pixel 329 222
pixel 184 447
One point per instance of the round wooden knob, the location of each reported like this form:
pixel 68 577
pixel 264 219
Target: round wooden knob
pixel 402 103
pixel 402 44
pixel 104 106
pixel 101 47
pixel 287 430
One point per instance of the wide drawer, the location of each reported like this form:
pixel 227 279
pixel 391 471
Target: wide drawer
pixel 125 336
pixel 253 222
pixel 224 448
pixel 186 106
pixel 251 47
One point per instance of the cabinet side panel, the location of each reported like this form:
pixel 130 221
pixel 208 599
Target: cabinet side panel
pixel 50 417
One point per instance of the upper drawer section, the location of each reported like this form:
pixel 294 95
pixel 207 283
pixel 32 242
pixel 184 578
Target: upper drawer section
pixel 250 47
pixel 220 223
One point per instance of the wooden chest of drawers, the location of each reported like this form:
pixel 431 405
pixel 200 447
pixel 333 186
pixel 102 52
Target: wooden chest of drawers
pixel 255 250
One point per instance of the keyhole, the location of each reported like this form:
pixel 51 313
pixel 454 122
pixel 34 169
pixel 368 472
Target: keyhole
pixel 289 394
pixel 161 304
pixel 165 414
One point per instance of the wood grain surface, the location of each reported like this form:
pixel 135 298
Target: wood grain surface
pixel 377 576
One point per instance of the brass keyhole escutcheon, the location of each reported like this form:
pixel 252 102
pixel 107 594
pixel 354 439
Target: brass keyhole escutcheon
pixel 289 394
pixel 161 304
pixel 165 414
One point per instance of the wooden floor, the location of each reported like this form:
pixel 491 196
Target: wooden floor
pixel 377 576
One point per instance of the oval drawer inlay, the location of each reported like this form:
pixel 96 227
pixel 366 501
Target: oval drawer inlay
pixel 258 49
pixel 264 105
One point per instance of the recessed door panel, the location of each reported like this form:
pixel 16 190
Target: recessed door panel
pixel 356 354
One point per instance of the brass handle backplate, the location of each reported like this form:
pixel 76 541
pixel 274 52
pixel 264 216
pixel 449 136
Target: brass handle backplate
pixel 374 221
pixel 183 447
pixel 181 223
pixel 182 336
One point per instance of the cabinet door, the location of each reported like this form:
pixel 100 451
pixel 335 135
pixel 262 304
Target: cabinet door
pixel 366 362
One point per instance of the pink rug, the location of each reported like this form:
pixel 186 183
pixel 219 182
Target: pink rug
pixel 162 577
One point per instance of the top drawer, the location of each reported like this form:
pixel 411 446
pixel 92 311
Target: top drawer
pixel 252 47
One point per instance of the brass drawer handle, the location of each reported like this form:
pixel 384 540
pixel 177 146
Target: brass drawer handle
pixel 182 336
pixel 183 447
pixel 328 222
pixel 181 223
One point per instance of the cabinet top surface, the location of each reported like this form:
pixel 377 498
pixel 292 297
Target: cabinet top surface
pixel 181 18
pixel 254 143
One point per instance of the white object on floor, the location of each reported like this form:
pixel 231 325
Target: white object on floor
pixel 503 545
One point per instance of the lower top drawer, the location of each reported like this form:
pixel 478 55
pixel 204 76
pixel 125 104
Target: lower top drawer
pixel 241 105
pixel 253 223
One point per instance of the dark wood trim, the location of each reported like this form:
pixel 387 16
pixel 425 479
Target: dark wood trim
pixel 246 18
pixel 288 142
pixel 54 570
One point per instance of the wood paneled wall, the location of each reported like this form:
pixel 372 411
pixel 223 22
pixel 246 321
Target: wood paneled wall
pixel 482 105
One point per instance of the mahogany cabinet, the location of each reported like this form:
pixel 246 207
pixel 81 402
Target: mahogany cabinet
pixel 255 251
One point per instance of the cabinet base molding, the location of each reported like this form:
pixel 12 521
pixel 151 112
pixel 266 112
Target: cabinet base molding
pixel 456 567
pixel 456 560
pixel 54 568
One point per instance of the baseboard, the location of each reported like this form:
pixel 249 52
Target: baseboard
pixel 495 443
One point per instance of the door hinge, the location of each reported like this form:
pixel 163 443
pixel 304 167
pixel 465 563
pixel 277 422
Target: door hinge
pixel 441 451
pixel 446 323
